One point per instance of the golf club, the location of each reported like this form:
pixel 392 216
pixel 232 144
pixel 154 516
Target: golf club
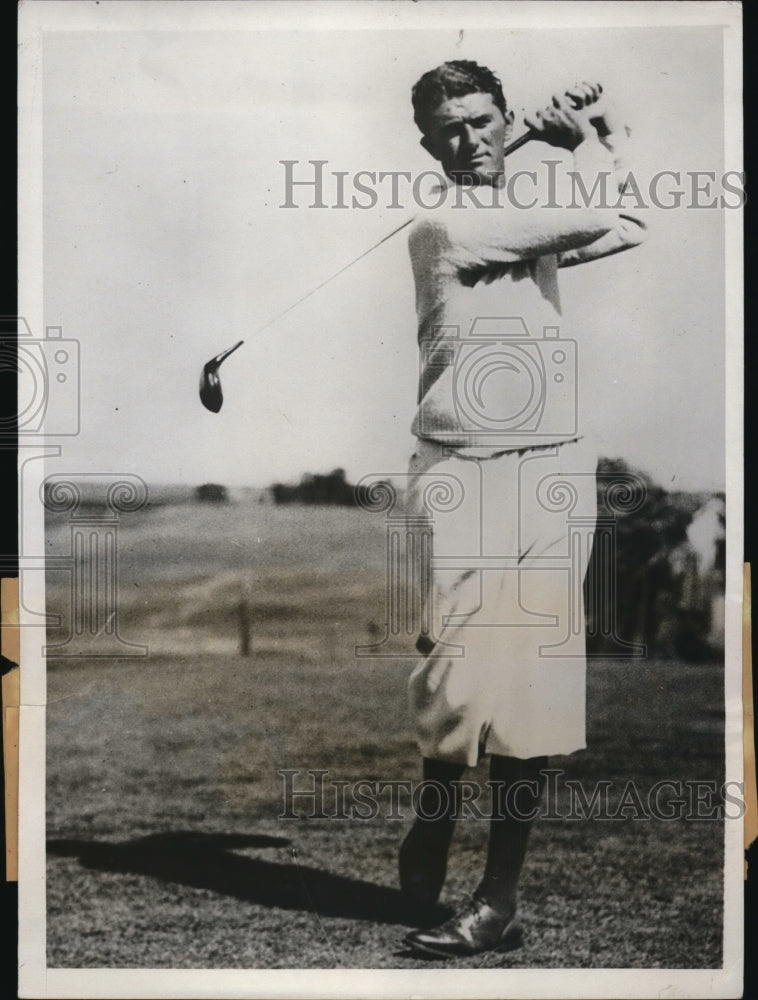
pixel 210 384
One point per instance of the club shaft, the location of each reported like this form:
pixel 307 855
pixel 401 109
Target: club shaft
pixel 333 276
pixel 225 354
pixel 518 142
pixel 510 148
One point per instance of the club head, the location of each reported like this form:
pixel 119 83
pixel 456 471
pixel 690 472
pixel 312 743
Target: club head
pixel 210 384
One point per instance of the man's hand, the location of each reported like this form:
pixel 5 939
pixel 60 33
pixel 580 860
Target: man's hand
pixel 583 95
pixel 564 122
pixel 603 116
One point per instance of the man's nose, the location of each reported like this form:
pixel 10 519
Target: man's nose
pixel 469 138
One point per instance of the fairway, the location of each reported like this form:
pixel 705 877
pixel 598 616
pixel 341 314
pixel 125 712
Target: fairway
pixel 164 795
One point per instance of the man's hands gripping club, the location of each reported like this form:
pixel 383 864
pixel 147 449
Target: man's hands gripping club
pixel 580 113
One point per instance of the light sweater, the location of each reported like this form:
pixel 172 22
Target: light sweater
pixel 497 370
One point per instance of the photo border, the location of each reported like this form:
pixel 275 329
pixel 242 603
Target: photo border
pixel 35 979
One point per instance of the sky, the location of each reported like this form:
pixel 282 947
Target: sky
pixel 164 242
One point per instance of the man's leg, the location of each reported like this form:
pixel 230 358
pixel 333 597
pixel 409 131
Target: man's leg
pixel 423 853
pixel 517 787
pixel 489 920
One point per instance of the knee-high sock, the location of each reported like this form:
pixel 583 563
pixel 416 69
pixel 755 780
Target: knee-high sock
pixel 516 790
pixel 437 800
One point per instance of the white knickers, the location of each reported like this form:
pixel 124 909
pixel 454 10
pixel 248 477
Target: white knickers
pixel 503 609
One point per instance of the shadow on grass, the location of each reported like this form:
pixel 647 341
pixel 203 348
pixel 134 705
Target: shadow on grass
pixel 206 861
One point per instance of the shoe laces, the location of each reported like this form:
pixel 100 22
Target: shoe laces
pixel 471 906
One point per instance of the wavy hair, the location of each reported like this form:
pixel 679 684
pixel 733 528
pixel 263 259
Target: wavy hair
pixel 453 79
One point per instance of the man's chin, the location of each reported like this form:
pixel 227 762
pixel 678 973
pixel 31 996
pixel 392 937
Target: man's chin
pixel 476 175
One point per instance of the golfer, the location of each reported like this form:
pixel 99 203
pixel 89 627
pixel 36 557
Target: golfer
pixel 502 674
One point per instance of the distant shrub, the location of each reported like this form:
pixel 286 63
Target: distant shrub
pixel 658 594
pixel 331 488
pixel 212 493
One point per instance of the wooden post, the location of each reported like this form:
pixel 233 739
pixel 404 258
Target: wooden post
pixel 243 615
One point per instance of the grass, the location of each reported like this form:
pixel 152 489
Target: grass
pixel 165 846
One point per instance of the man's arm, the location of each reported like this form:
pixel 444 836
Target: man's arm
pixel 473 237
pixel 470 239
pixel 628 230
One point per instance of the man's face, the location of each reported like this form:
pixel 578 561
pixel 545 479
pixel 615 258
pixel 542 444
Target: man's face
pixel 467 135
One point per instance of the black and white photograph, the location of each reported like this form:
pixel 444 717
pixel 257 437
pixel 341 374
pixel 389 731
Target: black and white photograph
pixel 380 467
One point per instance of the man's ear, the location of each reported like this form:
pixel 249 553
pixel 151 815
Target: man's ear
pixel 427 143
pixel 509 116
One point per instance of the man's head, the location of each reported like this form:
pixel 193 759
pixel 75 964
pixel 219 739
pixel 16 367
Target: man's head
pixel 461 111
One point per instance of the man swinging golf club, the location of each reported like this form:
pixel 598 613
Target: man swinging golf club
pixel 492 680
